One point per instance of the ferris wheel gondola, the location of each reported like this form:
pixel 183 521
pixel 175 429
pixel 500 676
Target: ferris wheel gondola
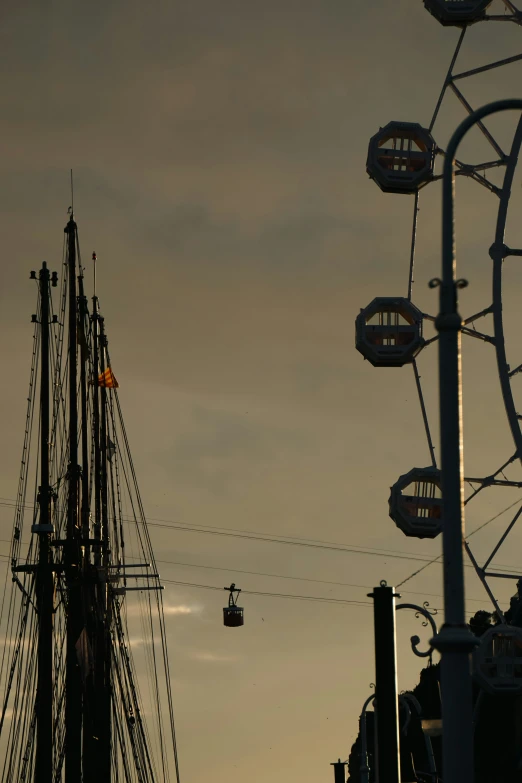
pixel 457 12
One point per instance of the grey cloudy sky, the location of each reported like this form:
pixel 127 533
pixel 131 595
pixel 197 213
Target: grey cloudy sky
pixel 219 155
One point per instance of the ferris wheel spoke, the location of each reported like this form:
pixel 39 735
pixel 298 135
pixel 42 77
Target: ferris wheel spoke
pixel 502 575
pixel 464 170
pixel 511 7
pixel 468 169
pixel 491 480
pixel 480 125
pixel 489 67
pixel 472 318
pixel 413 244
pixel 424 414
pixel 490 164
pixel 503 538
pixel 512 373
pixel 482 576
pixel 496 18
pixel 472 171
pixel 478 335
pixel 475 490
pixel 448 78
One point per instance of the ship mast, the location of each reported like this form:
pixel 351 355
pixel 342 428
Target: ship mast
pixel 102 671
pixel 73 570
pixel 90 746
pixel 71 708
pixel 44 575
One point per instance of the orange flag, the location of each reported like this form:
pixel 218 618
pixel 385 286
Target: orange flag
pixel 107 379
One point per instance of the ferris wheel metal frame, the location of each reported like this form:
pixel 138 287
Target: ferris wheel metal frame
pixel 407 166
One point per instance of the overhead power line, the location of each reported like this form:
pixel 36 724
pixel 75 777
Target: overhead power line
pixel 303 542
pixel 291 596
pixel 278 576
pixel 276 595
pixel 294 578
pixel 273 538
pixel 309 544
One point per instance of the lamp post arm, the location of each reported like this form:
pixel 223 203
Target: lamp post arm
pixel 425 612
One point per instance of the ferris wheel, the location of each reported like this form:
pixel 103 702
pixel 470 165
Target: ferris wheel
pixel 391 331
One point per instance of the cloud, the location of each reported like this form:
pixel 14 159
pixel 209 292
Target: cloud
pixel 135 610
pixel 180 609
pixel 209 657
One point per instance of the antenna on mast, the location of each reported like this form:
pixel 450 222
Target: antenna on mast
pixel 72 194
pixel 94 264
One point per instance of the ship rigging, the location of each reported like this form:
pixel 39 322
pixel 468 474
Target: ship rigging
pixel 82 610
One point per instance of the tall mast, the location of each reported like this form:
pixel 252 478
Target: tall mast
pixel 89 740
pixel 103 446
pixel 73 694
pixel 96 420
pixel 103 657
pixel 44 577
pixel 83 404
pixel 69 684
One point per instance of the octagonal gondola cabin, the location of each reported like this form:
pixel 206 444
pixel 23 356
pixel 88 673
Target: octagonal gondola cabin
pixel 457 12
pixel 401 157
pixel 389 332
pixel 497 661
pixel 416 504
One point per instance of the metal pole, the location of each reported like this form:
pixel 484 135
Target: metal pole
pixel 44 579
pixel 386 705
pixel 455 641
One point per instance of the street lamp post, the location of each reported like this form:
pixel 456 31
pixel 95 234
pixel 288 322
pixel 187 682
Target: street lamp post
pixel 455 641
pixel 386 705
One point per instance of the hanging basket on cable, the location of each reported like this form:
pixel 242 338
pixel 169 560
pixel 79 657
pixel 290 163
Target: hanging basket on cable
pixel 401 157
pixel 416 504
pixel 233 614
pixel 497 661
pixel 457 12
pixel 388 332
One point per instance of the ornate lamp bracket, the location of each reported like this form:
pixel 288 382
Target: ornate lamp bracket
pixel 427 613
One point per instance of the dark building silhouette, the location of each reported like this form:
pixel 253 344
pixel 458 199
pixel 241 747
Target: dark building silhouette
pixel 498 724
